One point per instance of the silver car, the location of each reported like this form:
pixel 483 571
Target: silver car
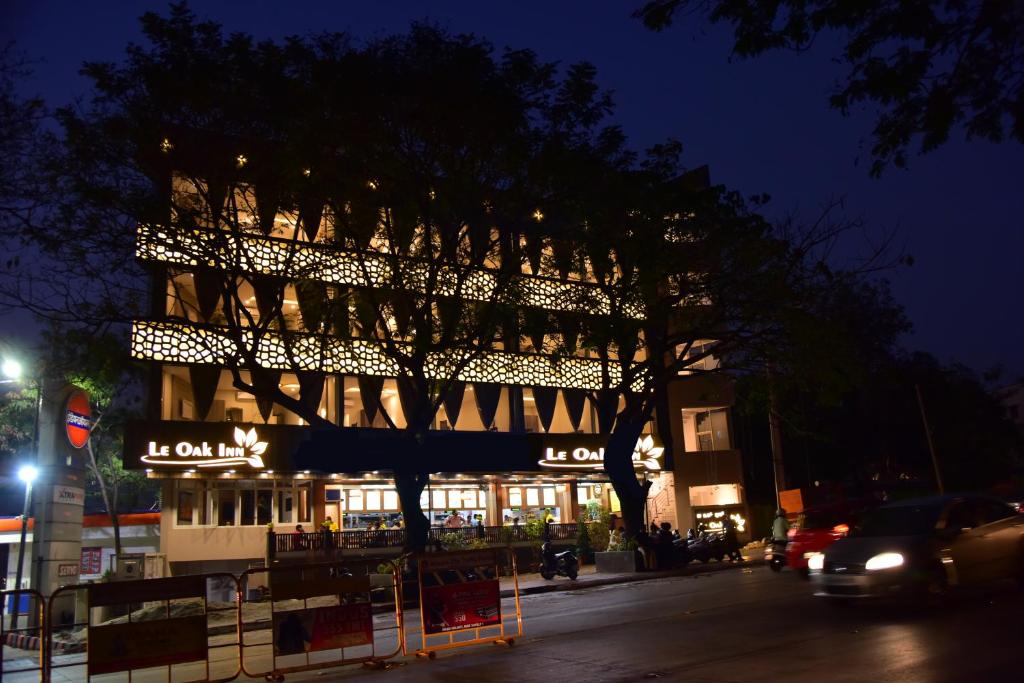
pixel 924 545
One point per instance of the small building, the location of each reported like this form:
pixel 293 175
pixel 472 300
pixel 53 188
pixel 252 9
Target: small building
pixel 140 535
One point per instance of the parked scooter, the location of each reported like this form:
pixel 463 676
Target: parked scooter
pixel 775 555
pixel 706 547
pixel 557 564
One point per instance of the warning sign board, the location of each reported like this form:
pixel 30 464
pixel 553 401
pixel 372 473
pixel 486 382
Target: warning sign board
pixel 322 628
pixel 144 644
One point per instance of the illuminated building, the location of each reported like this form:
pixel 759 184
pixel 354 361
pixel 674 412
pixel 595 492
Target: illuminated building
pixel 513 441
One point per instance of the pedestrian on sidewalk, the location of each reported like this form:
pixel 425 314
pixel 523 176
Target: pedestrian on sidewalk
pixel 732 543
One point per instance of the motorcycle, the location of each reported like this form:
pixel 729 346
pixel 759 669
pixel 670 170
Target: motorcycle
pixel 705 547
pixel 775 555
pixel 557 564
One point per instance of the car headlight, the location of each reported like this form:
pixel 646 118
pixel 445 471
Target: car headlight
pixel 816 562
pixel 884 561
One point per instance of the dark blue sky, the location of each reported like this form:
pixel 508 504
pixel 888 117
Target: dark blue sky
pixel 763 126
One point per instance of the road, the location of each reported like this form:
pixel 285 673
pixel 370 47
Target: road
pixel 735 625
pixel 740 625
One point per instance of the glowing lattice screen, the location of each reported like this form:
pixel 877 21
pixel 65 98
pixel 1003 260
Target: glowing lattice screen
pixel 292 259
pixel 183 343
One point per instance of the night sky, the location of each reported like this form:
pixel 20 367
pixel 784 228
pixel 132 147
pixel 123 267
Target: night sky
pixel 762 125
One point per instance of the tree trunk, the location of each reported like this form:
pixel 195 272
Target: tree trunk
pixel 115 522
pixel 111 509
pixel 410 487
pixel 618 463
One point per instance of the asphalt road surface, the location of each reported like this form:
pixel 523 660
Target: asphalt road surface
pixel 736 625
pixel 740 625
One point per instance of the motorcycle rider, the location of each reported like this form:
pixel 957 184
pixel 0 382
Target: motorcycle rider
pixel 780 527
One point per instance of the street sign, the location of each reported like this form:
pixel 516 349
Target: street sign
pixel 78 418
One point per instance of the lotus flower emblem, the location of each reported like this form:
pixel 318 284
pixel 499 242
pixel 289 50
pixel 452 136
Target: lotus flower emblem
pixel 646 454
pixel 248 440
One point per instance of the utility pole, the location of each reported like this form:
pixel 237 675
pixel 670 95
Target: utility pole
pixel 928 435
pixel 775 435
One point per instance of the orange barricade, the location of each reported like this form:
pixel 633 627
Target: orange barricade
pixel 460 601
pixel 22 630
pixel 315 616
pixel 186 626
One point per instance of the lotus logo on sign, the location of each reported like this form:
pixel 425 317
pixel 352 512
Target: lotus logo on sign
pixel 646 456
pixel 247 450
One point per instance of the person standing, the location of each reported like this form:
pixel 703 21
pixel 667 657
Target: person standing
pixel 732 543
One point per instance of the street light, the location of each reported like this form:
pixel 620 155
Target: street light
pixel 12 369
pixel 28 474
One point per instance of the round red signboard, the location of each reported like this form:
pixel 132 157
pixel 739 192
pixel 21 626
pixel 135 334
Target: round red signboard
pixel 78 418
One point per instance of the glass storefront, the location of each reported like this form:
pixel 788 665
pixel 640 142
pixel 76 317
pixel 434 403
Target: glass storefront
pixel 242 502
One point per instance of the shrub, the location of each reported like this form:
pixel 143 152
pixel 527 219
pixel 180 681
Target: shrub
pixel 453 541
pixel 535 529
pixel 598 532
pixel 583 548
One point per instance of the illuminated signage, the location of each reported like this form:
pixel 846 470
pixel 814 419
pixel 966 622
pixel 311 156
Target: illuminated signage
pixel 78 418
pixel 714 520
pixel 645 457
pixel 247 450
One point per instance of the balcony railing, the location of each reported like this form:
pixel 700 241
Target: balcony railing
pixel 279 257
pixel 192 343
pixel 328 541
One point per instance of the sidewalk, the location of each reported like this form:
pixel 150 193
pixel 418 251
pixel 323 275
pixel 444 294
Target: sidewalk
pixel 533 583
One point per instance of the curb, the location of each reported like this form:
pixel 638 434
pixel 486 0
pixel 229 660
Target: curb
pixel 34 644
pixel 21 642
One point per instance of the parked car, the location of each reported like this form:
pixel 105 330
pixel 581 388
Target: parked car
pixel 819 527
pixel 924 546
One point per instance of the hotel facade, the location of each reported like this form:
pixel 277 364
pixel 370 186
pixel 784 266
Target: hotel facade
pixel 514 440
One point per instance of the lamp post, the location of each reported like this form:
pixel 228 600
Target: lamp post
pixel 12 371
pixel 27 474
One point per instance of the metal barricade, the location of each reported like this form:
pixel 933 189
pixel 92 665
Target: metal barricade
pixel 185 626
pixel 315 616
pixel 460 602
pixel 22 631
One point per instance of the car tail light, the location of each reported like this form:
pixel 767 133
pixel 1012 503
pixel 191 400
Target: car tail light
pixel 791 533
pixel 841 529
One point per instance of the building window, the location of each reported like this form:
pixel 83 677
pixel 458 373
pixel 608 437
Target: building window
pixel 285 507
pixel 715 494
pixel 186 506
pixel 241 503
pixel 226 507
pixel 712 428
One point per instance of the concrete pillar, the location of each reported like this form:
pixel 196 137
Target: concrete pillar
pixel 574 501
pixel 58 501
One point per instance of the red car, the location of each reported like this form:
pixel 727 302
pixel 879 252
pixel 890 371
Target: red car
pixel 819 527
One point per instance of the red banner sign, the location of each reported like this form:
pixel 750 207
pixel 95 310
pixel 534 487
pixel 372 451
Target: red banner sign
pixel 460 606
pixel 322 628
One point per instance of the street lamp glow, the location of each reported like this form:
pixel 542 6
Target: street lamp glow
pixel 28 473
pixel 12 369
